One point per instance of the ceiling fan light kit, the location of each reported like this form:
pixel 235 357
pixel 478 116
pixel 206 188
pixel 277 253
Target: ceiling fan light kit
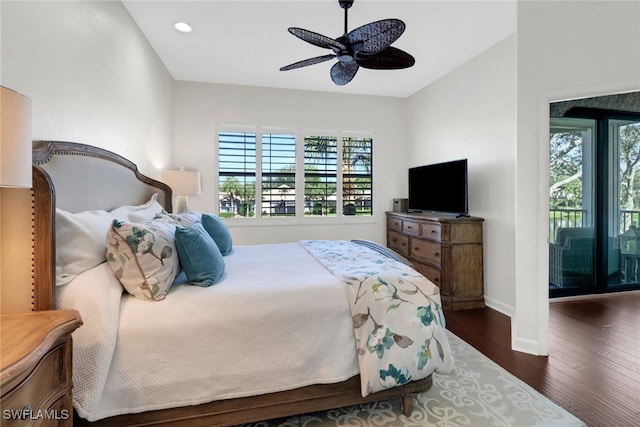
pixel 368 46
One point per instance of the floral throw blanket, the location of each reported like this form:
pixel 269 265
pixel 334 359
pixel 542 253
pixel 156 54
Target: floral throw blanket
pixel 397 316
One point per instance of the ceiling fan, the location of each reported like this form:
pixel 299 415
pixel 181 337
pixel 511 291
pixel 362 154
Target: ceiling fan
pixel 368 46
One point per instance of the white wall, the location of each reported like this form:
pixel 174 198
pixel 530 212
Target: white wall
pixel 200 106
pixel 93 78
pixel 566 50
pixel 470 113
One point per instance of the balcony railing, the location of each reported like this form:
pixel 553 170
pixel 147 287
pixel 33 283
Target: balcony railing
pixel 578 218
pixel 629 218
pixel 565 218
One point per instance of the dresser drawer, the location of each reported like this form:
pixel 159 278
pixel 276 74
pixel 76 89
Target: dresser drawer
pixel 410 227
pixel 430 230
pixel 44 386
pixel 431 273
pixel 398 242
pixel 394 224
pixel 426 250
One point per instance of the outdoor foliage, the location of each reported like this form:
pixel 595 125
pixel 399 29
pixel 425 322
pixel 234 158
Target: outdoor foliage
pixel 629 165
pixel 565 168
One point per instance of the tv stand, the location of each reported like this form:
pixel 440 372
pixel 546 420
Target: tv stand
pixel 446 249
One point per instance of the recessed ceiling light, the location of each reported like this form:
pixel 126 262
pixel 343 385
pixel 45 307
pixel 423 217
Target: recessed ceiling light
pixel 183 27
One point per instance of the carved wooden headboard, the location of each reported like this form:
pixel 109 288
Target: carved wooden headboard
pixel 78 177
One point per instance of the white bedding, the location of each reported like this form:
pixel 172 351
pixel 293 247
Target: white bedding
pixel 262 328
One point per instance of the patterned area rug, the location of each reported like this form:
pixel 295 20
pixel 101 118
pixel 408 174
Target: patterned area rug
pixel 480 394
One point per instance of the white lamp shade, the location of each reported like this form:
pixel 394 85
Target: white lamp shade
pixel 183 182
pixel 15 139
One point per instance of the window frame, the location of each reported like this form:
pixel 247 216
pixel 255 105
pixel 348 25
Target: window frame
pixel 299 217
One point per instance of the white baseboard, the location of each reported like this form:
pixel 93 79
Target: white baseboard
pixel 525 346
pixel 517 344
pixel 507 310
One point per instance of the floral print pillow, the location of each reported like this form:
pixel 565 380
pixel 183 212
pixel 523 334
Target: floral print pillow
pixel 143 257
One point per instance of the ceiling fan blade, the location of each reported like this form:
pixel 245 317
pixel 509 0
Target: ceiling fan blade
pixel 343 72
pixel 376 36
pixel 307 62
pixel 316 39
pixel 389 59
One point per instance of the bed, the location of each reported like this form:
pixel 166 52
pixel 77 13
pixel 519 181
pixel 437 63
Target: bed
pixel 124 375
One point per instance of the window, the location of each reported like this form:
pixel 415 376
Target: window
pixel 320 175
pixel 278 175
pixel 357 178
pixel 237 173
pixel 315 175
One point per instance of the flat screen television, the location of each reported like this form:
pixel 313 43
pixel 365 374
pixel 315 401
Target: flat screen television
pixel 439 187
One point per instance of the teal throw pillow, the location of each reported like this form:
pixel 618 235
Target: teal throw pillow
pixel 218 230
pixel 199 255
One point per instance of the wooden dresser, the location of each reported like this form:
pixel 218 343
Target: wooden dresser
pixel 35 367
pixel 446 249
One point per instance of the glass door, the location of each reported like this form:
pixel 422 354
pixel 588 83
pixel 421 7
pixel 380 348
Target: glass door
pixel 571 205
pixel 594 202
pixel 624 203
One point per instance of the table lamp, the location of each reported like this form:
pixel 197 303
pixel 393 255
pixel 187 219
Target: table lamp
pixel 16 230
pixel 15 140
pixel 183 183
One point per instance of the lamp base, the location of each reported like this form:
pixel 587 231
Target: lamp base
pixel 182 204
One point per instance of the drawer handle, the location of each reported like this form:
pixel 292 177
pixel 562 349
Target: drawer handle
pixel 433 231
pixel 436 253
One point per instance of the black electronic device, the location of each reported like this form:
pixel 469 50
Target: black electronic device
pixel 439 187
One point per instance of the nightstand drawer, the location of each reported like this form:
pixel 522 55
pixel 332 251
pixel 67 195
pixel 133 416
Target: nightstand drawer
pixel 45 385
pixel 398 242
pixel 426 250
pixel 35 368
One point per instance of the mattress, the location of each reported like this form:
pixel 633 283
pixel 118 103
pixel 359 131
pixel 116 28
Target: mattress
pixel 277 320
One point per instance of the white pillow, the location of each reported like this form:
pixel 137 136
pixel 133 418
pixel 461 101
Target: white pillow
pixel 186 219
pixel 79 242
pixel 140 213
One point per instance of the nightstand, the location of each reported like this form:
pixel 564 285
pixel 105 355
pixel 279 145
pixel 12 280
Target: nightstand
pixel 35 367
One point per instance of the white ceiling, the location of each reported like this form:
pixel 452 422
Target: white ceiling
pixel 246 42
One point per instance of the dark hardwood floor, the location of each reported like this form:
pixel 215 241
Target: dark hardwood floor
pixel 593 367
